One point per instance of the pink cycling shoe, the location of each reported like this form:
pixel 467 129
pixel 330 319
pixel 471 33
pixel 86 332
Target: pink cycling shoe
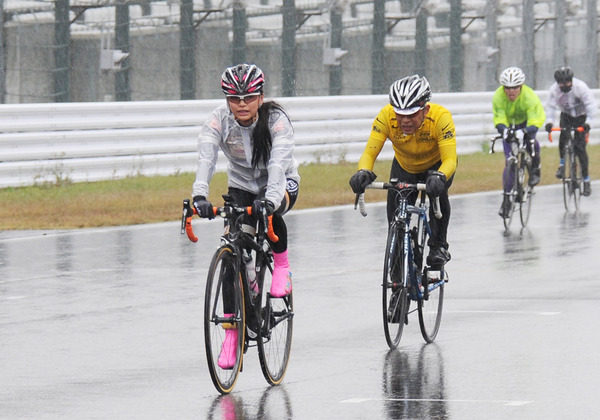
pixel 282 277
pixel 227 357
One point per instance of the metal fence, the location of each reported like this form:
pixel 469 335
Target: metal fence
pixel 106 50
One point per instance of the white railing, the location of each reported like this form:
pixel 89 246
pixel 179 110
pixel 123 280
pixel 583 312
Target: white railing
pixel 111 140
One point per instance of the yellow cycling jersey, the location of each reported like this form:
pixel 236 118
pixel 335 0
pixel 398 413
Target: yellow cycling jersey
pixel 434 141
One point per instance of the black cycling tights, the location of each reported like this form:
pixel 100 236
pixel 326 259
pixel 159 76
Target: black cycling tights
pixel 246 198
pixel 578 142
pixel 439 227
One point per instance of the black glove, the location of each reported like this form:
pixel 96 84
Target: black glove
pixel 361 179
pixel 436 183
pixel 263 204
pixel 549 127
pixel 586 127
pixel 501 129
pixel 203 207
pixel 531 131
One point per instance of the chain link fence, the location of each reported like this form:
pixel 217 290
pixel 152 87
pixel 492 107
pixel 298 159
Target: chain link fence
pixel 141 50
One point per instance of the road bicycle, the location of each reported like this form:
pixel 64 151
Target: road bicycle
pixel 233 300
pixel 518 172
pixel 573 179
pixel 406 276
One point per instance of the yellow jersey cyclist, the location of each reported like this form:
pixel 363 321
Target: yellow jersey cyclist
pixel 424 142
pixel 515 103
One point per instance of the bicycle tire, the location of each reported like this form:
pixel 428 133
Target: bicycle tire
pixel 511 195
pixel 430 304
pixel 572 182
pixel 430 310
pixel 275 333
pixel 524 190
pixel 395 299
pixel 223 274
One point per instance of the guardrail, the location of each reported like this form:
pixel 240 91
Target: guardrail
pixel 49 143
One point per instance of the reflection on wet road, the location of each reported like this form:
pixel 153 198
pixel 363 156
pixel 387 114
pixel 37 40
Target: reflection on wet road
pixel 107 323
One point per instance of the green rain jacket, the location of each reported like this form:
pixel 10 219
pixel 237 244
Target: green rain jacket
pixel 526 108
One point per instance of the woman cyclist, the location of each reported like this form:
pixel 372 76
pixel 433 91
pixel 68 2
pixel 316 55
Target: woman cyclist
pixel 515 103
pixel 257 138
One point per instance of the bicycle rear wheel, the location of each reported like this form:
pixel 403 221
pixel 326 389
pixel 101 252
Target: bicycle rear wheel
pixel 572 183
pixel 430 309
pixel 395 300
pixel 224 314
pixel 275 335
pixel 524 191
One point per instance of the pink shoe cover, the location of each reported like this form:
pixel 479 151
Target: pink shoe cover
pixel 227 357
pixel 281 284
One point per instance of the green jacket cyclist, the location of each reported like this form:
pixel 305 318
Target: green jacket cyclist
pixel 515 103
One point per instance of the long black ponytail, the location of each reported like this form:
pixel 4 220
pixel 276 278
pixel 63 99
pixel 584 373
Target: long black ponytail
pixel 261 135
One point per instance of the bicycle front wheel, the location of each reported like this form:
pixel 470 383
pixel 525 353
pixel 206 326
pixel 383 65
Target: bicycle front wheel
pixel 430 309
pixel 275 335
pixel 224 320
pixel 513 174
pixel 524 190
pixel 395 300
pixel 572 183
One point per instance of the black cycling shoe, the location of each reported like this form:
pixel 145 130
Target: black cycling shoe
pixel 587 189
pixel 560 172
pixel 504 211
pixel 535 177
pixel 438 256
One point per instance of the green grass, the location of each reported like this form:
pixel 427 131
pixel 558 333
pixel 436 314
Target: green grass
pixel 158 199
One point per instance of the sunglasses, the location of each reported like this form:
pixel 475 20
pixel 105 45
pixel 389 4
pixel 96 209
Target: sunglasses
pixel 511 87
pixel 237 99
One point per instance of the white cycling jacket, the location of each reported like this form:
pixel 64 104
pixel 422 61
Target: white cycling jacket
pixel 222 131
pixel 578 101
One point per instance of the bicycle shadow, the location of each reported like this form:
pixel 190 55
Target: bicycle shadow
pixel 521 247
pixel 274 403
pixel 573 228
pixel 414 384
pixel 574 221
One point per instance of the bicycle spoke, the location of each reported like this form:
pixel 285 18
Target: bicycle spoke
pixel 275 335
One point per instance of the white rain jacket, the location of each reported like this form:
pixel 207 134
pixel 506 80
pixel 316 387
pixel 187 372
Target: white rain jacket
pixel 578 101
pixel 222 131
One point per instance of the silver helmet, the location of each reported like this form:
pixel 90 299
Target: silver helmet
pixel 512 77
pixel 410 94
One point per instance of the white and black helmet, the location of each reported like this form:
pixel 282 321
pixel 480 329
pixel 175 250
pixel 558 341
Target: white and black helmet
pixel 410 94
pixel 512 77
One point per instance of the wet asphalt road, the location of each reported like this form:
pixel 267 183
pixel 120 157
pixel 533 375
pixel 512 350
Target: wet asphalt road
pixel 107 323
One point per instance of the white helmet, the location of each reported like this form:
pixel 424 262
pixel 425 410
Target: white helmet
pixel 410 94
pixel 512 77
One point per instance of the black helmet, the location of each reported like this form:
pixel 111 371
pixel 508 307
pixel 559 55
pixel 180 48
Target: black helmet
pixel 242 79
pixel 563 74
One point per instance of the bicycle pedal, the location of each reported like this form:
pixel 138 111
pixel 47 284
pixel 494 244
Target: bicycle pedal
pixel 251 334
